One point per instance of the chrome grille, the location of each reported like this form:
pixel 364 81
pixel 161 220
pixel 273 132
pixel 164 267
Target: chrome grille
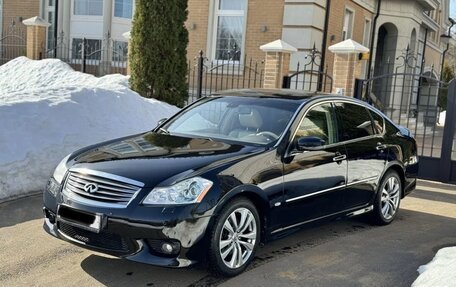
pixel 110 189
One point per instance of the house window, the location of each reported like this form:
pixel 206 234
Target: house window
pixel 123 9
pixel 93 49
pixel 347 31
pixel 88 7
pixel 367 32
pixel 229 29
pixel 120 51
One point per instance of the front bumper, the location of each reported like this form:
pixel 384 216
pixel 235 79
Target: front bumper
pixel 134 233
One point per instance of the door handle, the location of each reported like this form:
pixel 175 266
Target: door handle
pixel 380 146
pixel 340 158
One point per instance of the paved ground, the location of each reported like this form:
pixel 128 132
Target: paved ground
pixel 340 253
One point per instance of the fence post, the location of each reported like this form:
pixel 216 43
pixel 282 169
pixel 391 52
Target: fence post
pixel 36 37
pixel 200 71
pixel 277 63
pixel 347 65
pixel 286 82
pixel 83 55
pixel 448 134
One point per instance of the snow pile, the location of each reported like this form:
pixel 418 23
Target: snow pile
pixel 440 272
pixel 48 110
pixel 442 117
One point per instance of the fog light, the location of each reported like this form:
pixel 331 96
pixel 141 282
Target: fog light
pixel 167 248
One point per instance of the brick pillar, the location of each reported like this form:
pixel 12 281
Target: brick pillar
pixel 347 66
pixel 277 63
pixel 127 35
pixel 36 37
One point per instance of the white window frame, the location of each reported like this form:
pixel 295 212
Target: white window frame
pixel 212 32
pixel 350 29
pixel 48 9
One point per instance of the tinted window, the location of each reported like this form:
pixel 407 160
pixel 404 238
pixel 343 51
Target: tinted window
pixel 354 121
pixel 378 122
pixel 319 122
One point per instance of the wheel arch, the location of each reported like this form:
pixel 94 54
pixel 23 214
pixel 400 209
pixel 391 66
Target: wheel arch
pixel 256 195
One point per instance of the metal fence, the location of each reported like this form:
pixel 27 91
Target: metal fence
pixel 415 98
pixel 310 75
pixel 13 44
pixel 205 76
pixel 93 56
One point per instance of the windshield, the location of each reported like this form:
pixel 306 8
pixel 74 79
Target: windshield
pixel 248 120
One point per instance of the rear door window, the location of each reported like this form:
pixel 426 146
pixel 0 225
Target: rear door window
pixel 378 122
pixel 354 121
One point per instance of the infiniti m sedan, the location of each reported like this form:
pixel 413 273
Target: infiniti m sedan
pixel 229 172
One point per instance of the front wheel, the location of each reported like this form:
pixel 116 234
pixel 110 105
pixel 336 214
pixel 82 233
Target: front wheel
pixel 234 238
pixel 388 199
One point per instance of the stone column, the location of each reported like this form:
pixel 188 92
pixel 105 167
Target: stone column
pixel 277 63
pixel 127 35
pixel 347 66
pixel 36 37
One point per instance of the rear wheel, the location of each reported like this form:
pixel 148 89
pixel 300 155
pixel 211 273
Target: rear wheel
pixel 234 238
pixel 388 199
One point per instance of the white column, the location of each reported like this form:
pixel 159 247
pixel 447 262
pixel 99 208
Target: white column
pixel 106 53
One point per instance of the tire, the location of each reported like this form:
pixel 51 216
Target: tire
pixel 223 260
pixel 388 199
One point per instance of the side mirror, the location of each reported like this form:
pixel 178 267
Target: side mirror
pixel 160 122
pixel 309 143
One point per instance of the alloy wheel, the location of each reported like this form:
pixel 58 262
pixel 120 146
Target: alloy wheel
pixel 390 197
pixel 237 239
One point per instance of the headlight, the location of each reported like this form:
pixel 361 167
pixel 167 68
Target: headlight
pixel 60 170
pixel 187 191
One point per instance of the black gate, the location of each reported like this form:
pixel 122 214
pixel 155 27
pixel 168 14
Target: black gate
pixel 12 44
pixel 418 100
pixel 93 56
pixel 309 76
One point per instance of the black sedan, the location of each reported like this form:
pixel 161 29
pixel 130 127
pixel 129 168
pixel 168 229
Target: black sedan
pixel 229 172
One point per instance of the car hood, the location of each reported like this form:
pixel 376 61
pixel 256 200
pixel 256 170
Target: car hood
pixel 152 158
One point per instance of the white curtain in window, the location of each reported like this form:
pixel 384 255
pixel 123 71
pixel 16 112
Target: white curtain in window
pixel 123 9
pixel 88 7
pixel 232 4
pixel 229 37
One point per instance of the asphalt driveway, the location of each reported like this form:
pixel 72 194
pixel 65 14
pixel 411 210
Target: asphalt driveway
pixel 340 253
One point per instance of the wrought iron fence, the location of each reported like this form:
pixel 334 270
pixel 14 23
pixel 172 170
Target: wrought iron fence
pixel 205 76
pixel 309 75
pixel 13 44
pixel 93 56
pixel 412 97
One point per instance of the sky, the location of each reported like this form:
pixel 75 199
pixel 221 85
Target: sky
pixel 453 8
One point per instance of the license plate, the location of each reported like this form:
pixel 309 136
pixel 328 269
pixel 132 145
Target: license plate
pixel 85 220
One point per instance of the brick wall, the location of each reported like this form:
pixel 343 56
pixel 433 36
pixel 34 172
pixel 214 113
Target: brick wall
pixel 336 22
pixel 260 13
pixel 14 9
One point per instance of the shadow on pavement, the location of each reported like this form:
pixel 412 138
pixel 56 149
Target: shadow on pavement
pixel 120 272
pixel 21 210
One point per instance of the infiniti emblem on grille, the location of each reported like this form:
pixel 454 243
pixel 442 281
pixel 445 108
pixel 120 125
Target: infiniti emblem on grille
pixel 91 187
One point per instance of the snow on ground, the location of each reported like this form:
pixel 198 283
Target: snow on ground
pixel 440 272
pixel 48 110
pixel 442 117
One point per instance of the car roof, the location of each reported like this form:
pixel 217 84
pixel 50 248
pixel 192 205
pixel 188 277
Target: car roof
pixel 301 96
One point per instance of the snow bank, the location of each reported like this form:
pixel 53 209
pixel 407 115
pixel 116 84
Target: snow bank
pixel 48 110
pixel 440 272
